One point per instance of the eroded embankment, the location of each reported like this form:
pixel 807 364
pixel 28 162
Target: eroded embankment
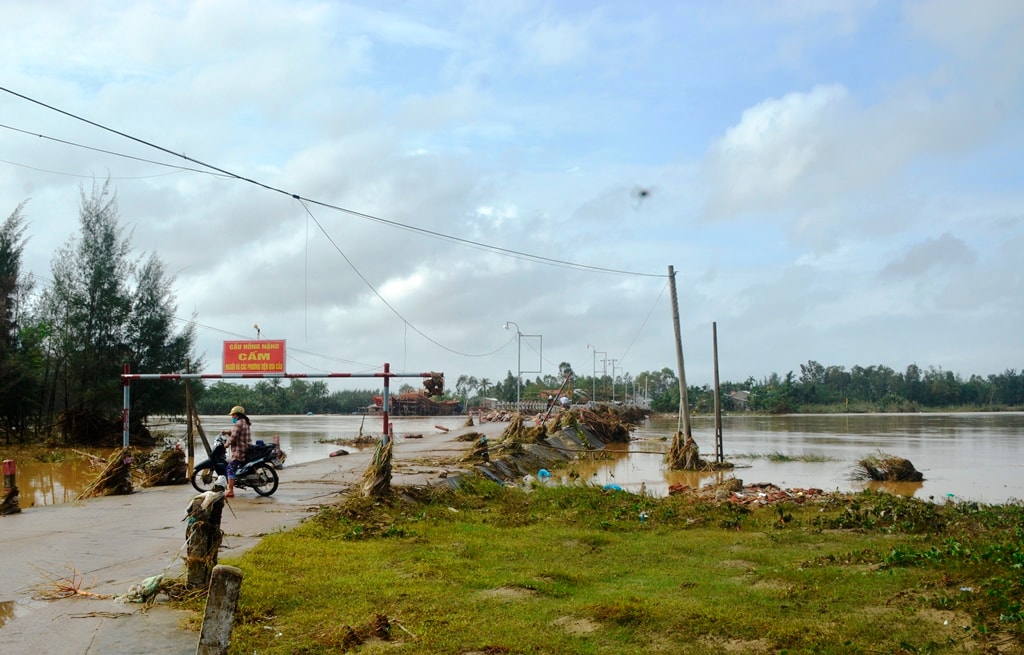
pixel 522 450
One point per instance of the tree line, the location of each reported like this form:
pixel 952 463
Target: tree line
pixel 817 388
pixel 63 347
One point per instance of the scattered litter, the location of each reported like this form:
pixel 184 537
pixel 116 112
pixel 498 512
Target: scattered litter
pixel 142 592
pixel 761 493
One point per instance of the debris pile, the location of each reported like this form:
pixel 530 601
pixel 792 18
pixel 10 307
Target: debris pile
pixel 886 468
pixel 169 467
pixel 516 433
pixel 606 423
pixel 762 493
pixel 376 482
pixel 115 479
pixel 684 455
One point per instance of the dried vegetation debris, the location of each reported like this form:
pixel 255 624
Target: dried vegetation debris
pixel 115 479
pixel 733 491
pixel 886 468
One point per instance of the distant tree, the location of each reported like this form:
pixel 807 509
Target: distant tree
pixel 89 305
pixel 465 385
pixel 154 344
pixel 18 347
pixel 104 311
pixel 508 388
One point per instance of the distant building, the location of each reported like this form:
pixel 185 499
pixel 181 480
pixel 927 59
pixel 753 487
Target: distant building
pixel 739 399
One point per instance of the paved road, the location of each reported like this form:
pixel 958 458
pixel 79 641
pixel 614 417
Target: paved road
pixel 114 542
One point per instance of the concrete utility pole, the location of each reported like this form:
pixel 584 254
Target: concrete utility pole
pixel 519 358
pixel 613 378
pixel 719 447
pixel 684 401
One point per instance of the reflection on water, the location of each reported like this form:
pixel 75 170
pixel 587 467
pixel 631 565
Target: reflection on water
pixel 898 488
pixel 52 483
pixel 971 456
pixel 6 611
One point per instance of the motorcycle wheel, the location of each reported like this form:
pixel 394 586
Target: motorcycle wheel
pixel 263 480
pixel 203 479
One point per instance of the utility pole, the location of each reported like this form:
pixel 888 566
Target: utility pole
pixel 719 448
pixel 684 401
pixel 593 378
pixel 613 379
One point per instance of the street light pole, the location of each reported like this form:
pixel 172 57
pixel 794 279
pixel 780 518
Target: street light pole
pixel 593 397
pixel 519 358
pixel 613 379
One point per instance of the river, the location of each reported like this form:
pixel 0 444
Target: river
pixel 965 456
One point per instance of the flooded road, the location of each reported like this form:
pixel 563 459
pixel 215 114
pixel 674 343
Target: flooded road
pixel 973 456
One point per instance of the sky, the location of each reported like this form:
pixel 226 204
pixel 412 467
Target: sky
pixel 501 186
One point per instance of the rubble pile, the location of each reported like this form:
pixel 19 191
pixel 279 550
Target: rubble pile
pixel 759 494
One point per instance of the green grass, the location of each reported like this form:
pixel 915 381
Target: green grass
pixel 579 570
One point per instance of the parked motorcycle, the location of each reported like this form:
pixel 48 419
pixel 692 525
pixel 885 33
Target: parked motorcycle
pixel 257 472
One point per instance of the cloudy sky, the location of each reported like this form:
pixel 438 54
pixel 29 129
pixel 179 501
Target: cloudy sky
pixel 833 181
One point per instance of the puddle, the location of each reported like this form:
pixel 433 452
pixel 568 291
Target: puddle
pixel 12 609
pixel 53 483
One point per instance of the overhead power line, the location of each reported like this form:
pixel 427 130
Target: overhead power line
pixel 467 242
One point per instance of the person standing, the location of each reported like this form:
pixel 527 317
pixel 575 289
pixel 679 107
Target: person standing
pixel 239 440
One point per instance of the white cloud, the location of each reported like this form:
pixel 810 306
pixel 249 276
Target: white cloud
pixel 776 147
pixel 862 171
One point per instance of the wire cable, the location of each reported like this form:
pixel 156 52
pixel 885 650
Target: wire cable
pixel 372 288
pixel 106 152
pixel 377 219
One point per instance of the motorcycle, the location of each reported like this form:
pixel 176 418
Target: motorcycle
pixel 258 472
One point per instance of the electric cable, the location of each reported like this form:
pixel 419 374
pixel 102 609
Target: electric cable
pixel 423 231
pixel 372 288
pixel 377 219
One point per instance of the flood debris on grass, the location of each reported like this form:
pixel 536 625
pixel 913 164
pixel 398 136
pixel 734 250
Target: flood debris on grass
pixel 735 492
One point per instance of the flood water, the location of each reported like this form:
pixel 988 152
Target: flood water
pixel 969 456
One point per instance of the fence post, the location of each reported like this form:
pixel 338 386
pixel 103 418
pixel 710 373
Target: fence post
pixel 9 504
pixel 221 603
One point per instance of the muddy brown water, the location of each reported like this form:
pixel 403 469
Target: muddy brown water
pixel 965 456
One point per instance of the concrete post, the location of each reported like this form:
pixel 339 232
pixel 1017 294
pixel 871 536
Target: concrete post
pixel 219 619
pixel 9 501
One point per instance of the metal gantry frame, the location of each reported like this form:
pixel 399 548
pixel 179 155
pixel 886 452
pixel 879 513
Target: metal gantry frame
pixel 127 377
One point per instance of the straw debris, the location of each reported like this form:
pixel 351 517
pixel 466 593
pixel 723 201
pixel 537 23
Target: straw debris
pixel 886 468
pixel 169 467
pixel 376 481
pixel 69 586
pixel 115 479
pixel 684 455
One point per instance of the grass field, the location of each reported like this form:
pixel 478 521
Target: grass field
pixel 489 569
